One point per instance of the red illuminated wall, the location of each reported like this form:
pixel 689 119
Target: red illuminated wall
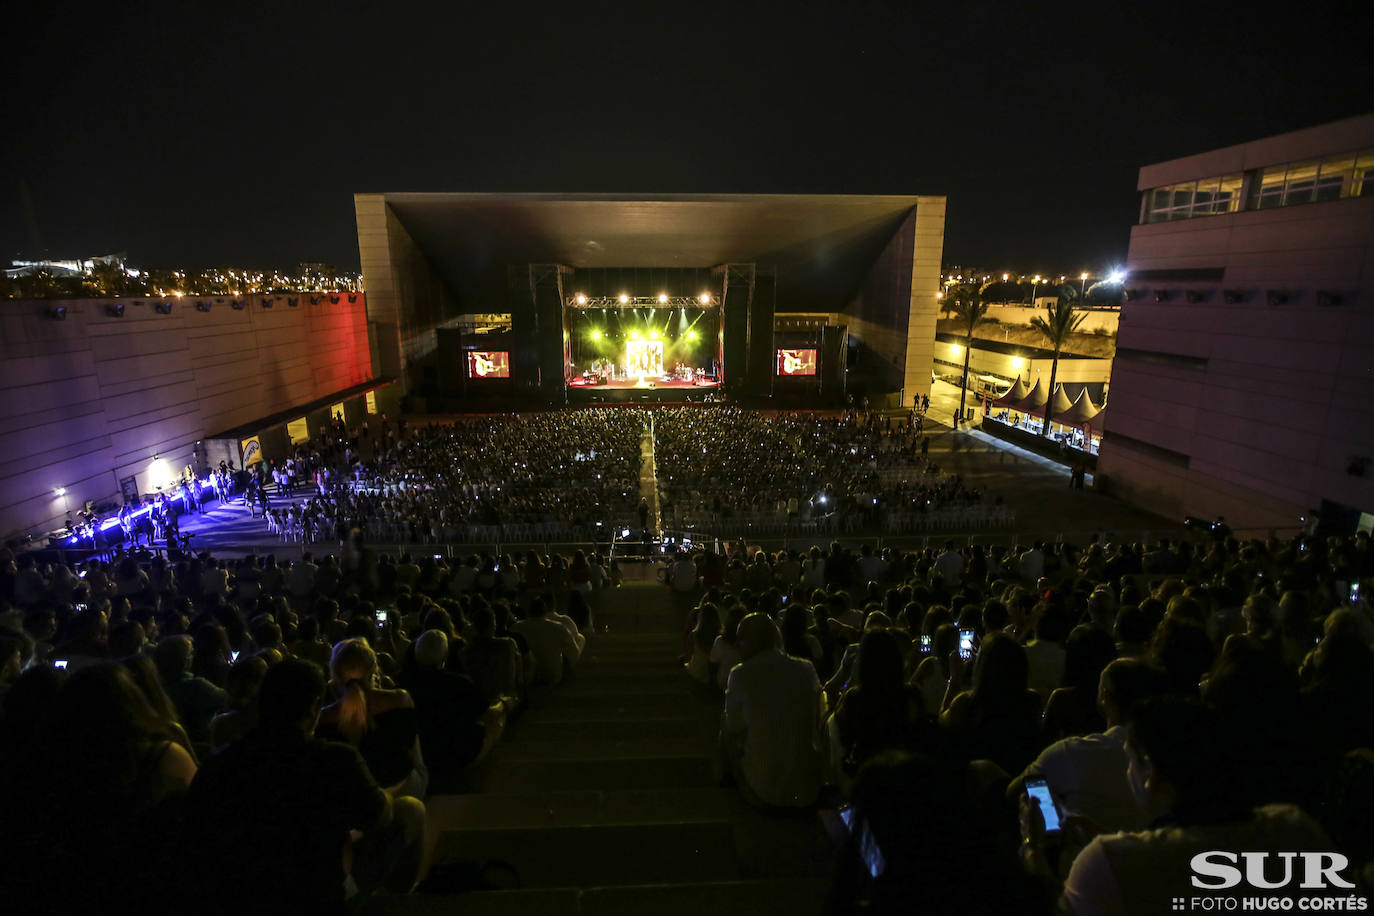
pixel 91 398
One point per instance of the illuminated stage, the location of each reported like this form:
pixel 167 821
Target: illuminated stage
pixel 658 347
pixel 644 384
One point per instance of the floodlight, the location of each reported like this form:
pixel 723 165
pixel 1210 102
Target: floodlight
pixel 1116 276
pixel 662 298
pixel 624 299
pixel 704 298
pixel 580 299
pixel 653 335
pixel 596 335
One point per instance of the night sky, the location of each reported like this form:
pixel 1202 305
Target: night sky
pixel 194 134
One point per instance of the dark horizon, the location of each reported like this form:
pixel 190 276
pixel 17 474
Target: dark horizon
pixel 188 140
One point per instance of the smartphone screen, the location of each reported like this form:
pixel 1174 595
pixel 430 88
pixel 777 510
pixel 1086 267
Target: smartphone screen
pixel 925 643
pixel 233 657
pixel 1039 792
pixel 966 644
pixel 60 664
pixel 1354 592
pixel 381 617
pixel 868 847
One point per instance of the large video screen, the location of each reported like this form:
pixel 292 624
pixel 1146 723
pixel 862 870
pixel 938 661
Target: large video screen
pixel 483 364
pixel 797 362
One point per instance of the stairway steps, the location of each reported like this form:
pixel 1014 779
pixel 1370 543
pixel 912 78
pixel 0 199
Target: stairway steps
pixel 600 855
pixel 716 898
pixel 732 898
pixel 600 773
pixel 612 728
pixel 584 808
pixel 533 747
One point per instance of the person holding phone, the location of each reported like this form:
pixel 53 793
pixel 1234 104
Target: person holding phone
pixel 998 719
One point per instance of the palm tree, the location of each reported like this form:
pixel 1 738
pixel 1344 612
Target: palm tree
pixel 1061 320
pixel 970 311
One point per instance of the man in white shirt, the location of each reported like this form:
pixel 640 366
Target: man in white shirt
pixel 550 642
pixel 772 726
pixel 682 575
pixel 1087 773
pixel 1033 563
pixel 950 565
pixel 1178 767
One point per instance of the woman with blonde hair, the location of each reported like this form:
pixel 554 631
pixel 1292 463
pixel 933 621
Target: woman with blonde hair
pixel 380 723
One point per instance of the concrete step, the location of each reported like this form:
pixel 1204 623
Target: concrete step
pixel 584 808
pixel 523 775
pixel 600 855
pixel 667 726
pixel 527 747
pixel 603 704
pixel 717 898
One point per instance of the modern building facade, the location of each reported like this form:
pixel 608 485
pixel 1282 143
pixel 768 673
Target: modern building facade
pixel 1243 383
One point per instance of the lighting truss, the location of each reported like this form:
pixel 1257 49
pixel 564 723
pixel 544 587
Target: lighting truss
pixel 640 302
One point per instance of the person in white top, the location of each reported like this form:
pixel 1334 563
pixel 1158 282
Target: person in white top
pixel 950 565
pixel 1179 769
pixel 1087 773
pixel 1033 563
pixel 771 733
pixel 552 644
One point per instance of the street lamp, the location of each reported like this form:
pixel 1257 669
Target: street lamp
pixel 1082 282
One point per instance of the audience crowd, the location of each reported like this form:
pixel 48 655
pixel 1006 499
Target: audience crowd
pixel 1174 698
pixel 564 475
pixel 850 471
pixel 221 735
pixel 214 736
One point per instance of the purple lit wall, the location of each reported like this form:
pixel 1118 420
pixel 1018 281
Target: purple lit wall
pixel 91 399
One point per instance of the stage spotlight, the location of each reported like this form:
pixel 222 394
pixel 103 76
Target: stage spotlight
pixel 653 335
pixel 624 299
pixel 704 298
pixel 634 335
pixel 663 298
pixel 580 299
pixel 691 335
pixel 596 335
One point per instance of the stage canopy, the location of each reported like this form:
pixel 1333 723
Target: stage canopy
pixel 822 245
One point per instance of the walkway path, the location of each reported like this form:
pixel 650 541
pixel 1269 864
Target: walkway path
pixel 603 795
pixel 648 476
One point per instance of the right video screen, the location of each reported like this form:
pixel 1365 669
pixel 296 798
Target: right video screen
pixel 797 361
